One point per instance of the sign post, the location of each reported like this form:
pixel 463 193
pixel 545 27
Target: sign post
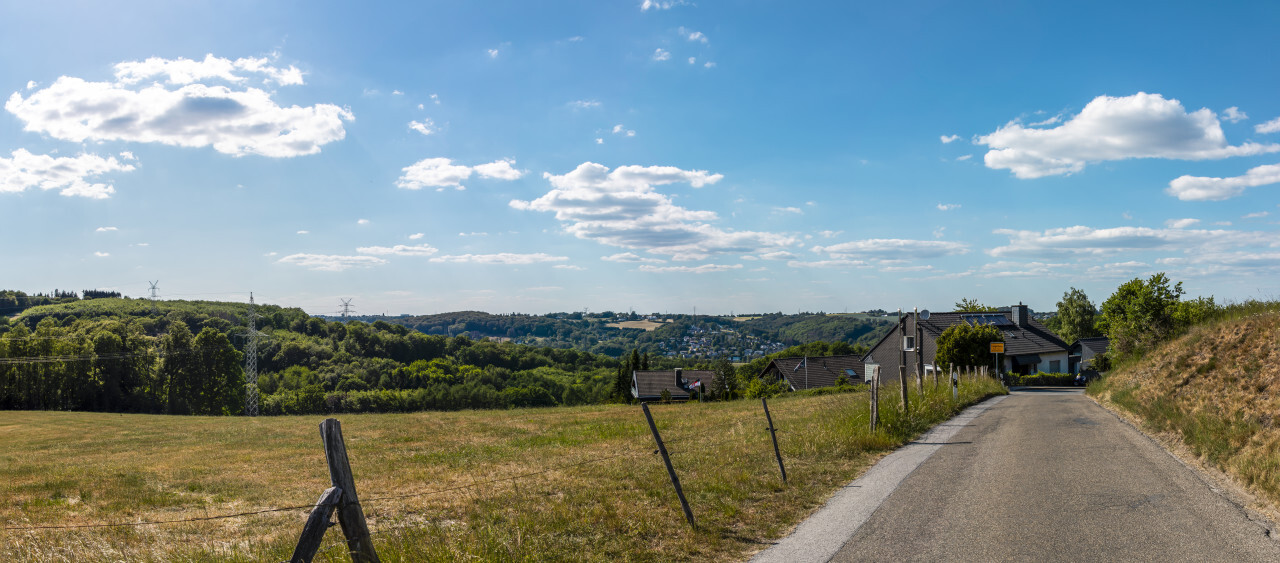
pixel 997 348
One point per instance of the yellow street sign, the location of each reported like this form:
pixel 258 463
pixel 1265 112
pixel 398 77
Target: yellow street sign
pixel 997 347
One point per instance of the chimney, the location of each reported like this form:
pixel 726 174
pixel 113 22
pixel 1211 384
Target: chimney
pixel 679 375
pixel 1021 316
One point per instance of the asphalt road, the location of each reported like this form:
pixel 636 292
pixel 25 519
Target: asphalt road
pixel 1042 475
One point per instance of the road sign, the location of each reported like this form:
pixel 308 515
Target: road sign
pixel 997 347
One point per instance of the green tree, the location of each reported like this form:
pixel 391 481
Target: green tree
pixel 965 345
pixel 1143 313
pixel 1076 316
pixel 219 378
pixel 177 369
pixel 973 306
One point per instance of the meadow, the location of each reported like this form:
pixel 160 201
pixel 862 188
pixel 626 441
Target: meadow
pixel 564 483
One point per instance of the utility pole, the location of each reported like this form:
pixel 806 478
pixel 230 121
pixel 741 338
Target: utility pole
pixel 251 362
pixel 346 308
pixel 919 354
pixel 902 363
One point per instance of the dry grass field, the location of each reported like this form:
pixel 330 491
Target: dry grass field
pixel 1217 391
pixel 558 484
pixel 647 326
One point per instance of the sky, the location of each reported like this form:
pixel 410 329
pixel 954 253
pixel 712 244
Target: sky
pixel 653 155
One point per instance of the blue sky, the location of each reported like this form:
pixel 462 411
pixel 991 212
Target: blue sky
pixel 653 155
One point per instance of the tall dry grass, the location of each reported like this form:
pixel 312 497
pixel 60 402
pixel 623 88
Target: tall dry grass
pixel 599 492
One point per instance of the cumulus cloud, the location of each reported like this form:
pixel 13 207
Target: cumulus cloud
pixel 584 104
pixel 709 64
pixel 1234 115
pixel 836 263
pixel 182 111
pixel 1272 126
pixel 620 130
pixel 661 54
pixel 362 221
pixel 893 249
pixel 68 174
pixel 703 269
pixel 620 207
pixel 416 236
pixel 426 126
pixel 1113 128
pixel 949 138
pixel 442 172
pixel 795 210
pixel 569 267
pixel 948 206
pixel 106 229
pixel 647 5
pixel 304 232
pixel 1085 241
pixel 501 258
pixel 398 250
pixel 630 257
pixel 1207 188
pixel 331 263
pixel 102 254
pixel 1256 215
pixel 1180 223
pixel 493 53
pixel 695 36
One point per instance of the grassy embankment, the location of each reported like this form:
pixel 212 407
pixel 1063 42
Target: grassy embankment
pixel 1215 389
pixel 59 468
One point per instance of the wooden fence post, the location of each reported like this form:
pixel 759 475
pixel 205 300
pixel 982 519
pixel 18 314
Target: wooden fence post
pixel 773 434
pixel 675 481
pixel 350 514
pixel 902 378
pixel 317 524
pixel 875 399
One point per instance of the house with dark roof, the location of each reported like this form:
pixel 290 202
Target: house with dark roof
pixel 1030 347
pixel 815 371
pixel 1083 351
pixel 648 385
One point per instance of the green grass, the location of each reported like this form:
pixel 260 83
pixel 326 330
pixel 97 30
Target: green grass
pixel 60 468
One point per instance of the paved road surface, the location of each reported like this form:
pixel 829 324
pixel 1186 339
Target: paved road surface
pixel 1048 475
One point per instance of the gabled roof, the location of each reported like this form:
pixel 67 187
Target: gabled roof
pixel 817 371
pixel 1033 338
pixel 648 384
pixel 1097 344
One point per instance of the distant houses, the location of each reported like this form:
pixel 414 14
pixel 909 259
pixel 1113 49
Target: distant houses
pixel 811 372
pixel 1083 351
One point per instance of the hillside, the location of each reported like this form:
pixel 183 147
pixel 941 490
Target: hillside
pixel 1215 389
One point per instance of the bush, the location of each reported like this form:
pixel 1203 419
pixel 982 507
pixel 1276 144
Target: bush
pixel 1050 379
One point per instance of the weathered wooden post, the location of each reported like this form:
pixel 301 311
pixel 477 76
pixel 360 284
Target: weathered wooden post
pixel 773 434
pixel 902 365
pixel 675 481
pixel 875 396
pixel 350 514
pixel 317 524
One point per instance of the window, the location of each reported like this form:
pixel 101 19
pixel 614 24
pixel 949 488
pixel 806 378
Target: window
pixel 1055 366
pixel 908 343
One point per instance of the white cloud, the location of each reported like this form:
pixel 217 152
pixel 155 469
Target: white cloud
pixel 949 138
pixel 569 267
pixel 948 206
pixel 631 257
pixel 621 208
pixel 709 64
pixel 31 84
pixel 474 234
pixel 128 155
pixel 106 229
pixel 691 35
pixel 68 174
pixel 501 258
pixel 795 210
pixel 187 71
pixel 1234 115
pixel 1050 121
pixel 830 234
pixel 1180 223
pixel 362 221
pixel 331 263
pixel 398 250
pixel 102 254
pixel 1272 126
pixel 304 232
pixel 620 130
pixel 647 5
pixel 893 249
pixel 778 255
pixel 493 53
pixel 442 172
pixel 703 269
pixel 584 104
pixel 1256 215
pixel 599 141
pixel 693 60
pixel 1086 241
pixel 416 236
pixel 435 98
pixel 963 158
pixel 823 264
pixel 660 54
pixel 232 121
pixel 1202 188
pixel 426 126
pixel 397 93
pixel 1109 128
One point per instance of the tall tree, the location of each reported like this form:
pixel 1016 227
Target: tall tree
pixel 965 345
pixel 973 306
pixel 178 370
pixel 1076 316
pixel 1142 313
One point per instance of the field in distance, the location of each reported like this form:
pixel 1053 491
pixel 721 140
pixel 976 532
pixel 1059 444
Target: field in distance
pixel 645 325
pixel 565 483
